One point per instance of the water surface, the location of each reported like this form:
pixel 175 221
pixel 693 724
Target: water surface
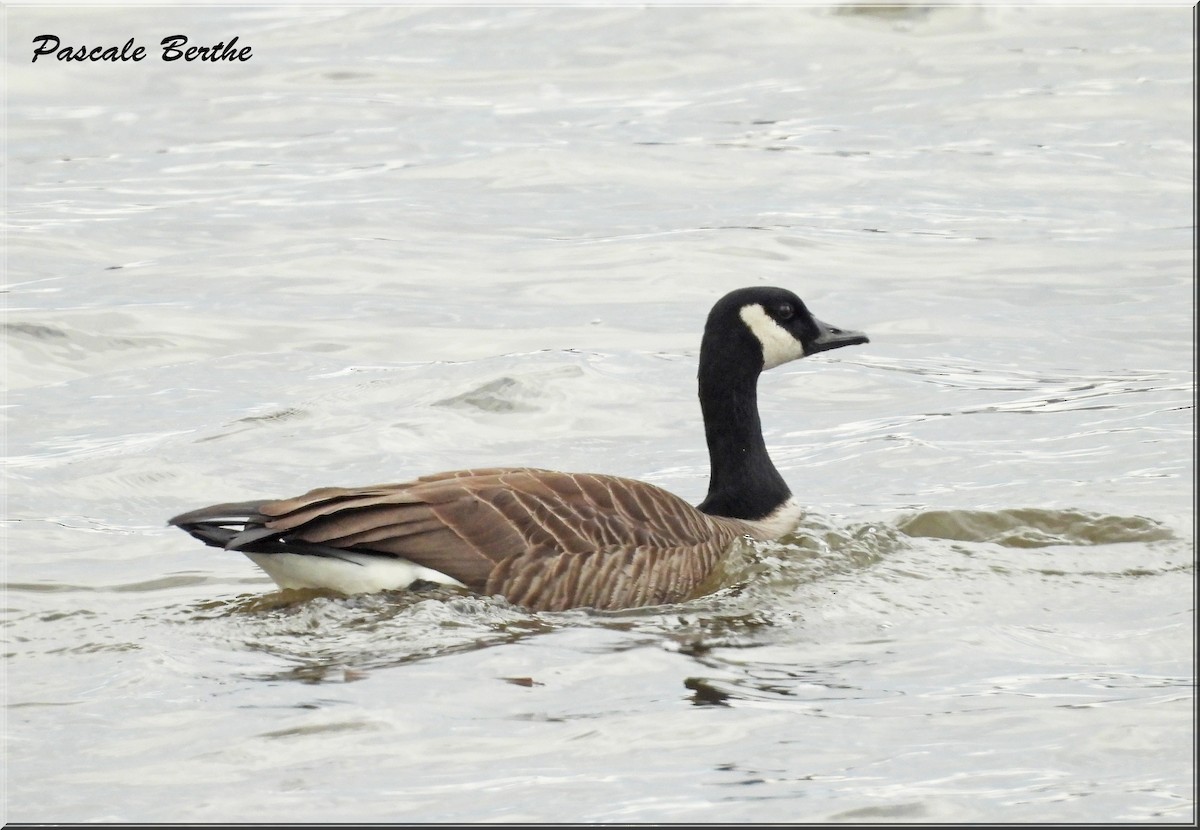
pixel 404 239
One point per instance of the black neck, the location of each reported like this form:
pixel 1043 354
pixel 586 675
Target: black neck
pixel 743 483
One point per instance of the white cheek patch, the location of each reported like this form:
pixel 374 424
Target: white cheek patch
pixel 778 345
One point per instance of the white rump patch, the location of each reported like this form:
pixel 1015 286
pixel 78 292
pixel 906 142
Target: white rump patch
pixel 778 344
pixel 357 573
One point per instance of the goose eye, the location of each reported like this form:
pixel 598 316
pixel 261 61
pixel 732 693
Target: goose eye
pixel 785 311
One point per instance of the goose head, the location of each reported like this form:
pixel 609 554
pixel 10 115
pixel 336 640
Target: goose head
pixel 757 328
pixel 749 330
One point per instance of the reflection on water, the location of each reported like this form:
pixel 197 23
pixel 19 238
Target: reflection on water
pixel 323 637
pixel 1034 528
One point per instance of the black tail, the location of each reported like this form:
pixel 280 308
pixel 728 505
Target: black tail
pixel 239 526
pixel 220 524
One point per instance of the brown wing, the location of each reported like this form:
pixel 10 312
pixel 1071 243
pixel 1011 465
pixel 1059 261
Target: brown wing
pixel 543 539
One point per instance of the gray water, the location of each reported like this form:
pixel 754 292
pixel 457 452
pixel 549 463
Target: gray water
pixel 400 240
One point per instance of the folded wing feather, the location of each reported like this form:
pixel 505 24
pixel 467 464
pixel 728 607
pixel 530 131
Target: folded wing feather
pixel 543 539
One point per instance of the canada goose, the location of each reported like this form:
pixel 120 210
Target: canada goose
pixel 549 540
